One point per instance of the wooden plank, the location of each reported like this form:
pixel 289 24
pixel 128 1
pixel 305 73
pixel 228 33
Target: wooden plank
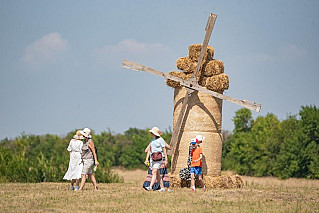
pixel 190 84
pixel 209 28
pixel 178 124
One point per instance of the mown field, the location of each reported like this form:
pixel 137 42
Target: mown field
pixel 258 195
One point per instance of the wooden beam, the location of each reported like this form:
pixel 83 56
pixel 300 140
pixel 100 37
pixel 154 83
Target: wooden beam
pixel 209 28
pixel 192 85
pixel 178 124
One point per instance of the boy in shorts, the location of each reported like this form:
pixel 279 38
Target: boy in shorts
pixel 196 165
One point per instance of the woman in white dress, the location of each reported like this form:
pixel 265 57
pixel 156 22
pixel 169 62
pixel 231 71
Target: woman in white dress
pixel 75 165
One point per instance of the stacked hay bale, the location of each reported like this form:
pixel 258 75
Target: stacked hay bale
pixel 211 75
pixel 203 113
pixel 219 182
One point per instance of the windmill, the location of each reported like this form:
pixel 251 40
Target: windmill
pixel 192 92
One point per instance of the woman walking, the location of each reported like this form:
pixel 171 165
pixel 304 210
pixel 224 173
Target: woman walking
pixel 75 166
pixel 163 173
pixel 156 152
pixel 88 158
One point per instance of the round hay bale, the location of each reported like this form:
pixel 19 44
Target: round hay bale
pixel 218 83
pixel 172 83
pixel 214 182
pixel 194 52
pixel 214 67
pixel 186 64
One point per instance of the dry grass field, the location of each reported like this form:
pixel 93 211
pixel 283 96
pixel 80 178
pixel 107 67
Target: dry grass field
pixel 258 195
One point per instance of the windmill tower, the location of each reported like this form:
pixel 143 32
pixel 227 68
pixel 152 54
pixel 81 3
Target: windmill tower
pixel 197 108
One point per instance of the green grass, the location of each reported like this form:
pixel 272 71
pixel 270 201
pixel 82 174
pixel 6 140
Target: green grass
pixel 261 196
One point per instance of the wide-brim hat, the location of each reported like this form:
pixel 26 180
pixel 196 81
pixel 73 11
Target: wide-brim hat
pixel 78 135
pixel 155 130
pixel 86 132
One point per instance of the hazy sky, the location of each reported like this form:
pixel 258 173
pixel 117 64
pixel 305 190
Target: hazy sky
pixel 60 61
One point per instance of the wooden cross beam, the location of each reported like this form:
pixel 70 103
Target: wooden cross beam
pixel 191 85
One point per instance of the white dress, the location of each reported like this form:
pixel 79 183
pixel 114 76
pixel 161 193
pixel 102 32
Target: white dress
pixel 75 164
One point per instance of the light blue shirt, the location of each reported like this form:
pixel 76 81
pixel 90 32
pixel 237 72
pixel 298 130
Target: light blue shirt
pixel 157 145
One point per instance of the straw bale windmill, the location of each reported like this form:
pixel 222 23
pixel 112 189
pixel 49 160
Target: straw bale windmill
pixel 198 98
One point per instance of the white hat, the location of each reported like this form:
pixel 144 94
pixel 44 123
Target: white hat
pixel 199 138
pixel 86 132
pixel 155 130
pixel 78 135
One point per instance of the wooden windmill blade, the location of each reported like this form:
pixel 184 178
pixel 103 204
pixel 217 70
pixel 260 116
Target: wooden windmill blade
pixel 176 129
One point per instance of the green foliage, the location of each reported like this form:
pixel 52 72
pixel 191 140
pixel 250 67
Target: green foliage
pixel 269 147
pixel 33 158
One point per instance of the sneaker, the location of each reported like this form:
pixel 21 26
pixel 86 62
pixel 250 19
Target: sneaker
pixel 204 189
pixel 76 188
pixel 162 190
pixel 72 188
pixel 148 188
pixel 169 190
pixel 193 190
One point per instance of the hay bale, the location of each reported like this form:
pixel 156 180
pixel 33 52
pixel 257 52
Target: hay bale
pixel 214 67
pixel 215 182
pixel 194 52
pixel 186 64
pixel 175 84
pixel 218 83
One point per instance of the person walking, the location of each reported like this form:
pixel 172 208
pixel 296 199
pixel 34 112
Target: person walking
pixel 89 158
pixel 156 152
pixel 196 164
pixel 75 167
pixel 162 170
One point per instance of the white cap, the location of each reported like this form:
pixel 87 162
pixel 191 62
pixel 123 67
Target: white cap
pixel 199 138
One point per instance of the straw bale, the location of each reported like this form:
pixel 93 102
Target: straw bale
pixel 214 67
pixel 194 52
pixel 215 182
pixel 186 64
pixel 204 111
pixel 218 83
pixel 175 84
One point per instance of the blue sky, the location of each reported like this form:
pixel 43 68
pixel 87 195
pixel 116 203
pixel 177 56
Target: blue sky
pixel 60 61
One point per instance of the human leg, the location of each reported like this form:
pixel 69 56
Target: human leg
pixel 159 179
pixel 91 176
pixel 83 180
pixel 154 174
pixel 192 171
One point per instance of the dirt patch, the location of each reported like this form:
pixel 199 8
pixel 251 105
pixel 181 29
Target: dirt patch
pixel 131 176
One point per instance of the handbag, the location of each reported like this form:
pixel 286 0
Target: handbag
pixel 156 156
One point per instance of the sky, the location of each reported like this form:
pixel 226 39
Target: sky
pixel 60 61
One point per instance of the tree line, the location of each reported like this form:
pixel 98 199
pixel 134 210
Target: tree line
pixel 264 146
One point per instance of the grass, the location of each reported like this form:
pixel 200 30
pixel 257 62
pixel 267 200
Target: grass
pixel 258 195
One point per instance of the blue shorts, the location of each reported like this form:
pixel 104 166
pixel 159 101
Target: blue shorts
pixel 196 170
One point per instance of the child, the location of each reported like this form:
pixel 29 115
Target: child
pixel 196 165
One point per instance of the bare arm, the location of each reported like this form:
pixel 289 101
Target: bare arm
pixel 165 154
pixel 147 156
pixel 201 156
pixel 147 148
pixel 91 145
pixel 167 146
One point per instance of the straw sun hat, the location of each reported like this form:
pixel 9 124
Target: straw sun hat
pixel 78 135
pixel 155 130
